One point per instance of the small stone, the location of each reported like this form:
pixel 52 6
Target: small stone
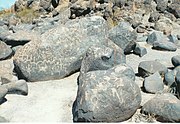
pixel 154 17
pixel 175 60
pixel 166 46
pixel 7 78
pixel 153 83
pixel 18 87
pixel 5 51
pixel 155 36
pixel 141 51
pixel 169 78
pixel 141 29
pixel 146 68
pixel 172 38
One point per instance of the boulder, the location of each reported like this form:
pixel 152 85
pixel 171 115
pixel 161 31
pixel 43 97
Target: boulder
pixel 5 51
pixel 61 50
pixel 176 60
pixel 164 45
pixel 146 68
pixel 153 83
pixel 106 96
pixel 100 58
pixel 141 51
pixel 166 107
pixel 123 36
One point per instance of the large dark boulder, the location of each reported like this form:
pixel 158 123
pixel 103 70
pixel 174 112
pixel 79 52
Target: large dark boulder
pixel 106 96
pixel 60 51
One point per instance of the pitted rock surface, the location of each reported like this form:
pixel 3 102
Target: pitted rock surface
pixel 61 49
pixel 106 96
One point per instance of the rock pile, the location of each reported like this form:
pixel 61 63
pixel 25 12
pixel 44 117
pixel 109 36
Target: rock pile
pixel 95 37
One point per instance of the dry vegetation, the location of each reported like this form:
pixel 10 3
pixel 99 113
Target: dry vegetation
pixel 26 15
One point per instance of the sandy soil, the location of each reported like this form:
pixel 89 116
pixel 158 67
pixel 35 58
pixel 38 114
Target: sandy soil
pixel 51 101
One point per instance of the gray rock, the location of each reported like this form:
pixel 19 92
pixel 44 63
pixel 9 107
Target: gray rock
pixel 172 38
pixel 141 51
pixel 174 9
pixel 61 50
pixel 45 4
pixel 154 16
pixel 4 32
pixel 175 60
pixel 44 26
pixel 20 38
pixel 123 37
pixel 166 107
pixel 100 58
pixel 17 87
pixel 161 5
pixel 5 51
pixel 164 45
pixel 3 92
pixel 169 77
pixel 155 36
pixel 146 68
pixel 124 69
pixel 7 78
pixel 106 96
pixel 24 27
pixel 153 83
